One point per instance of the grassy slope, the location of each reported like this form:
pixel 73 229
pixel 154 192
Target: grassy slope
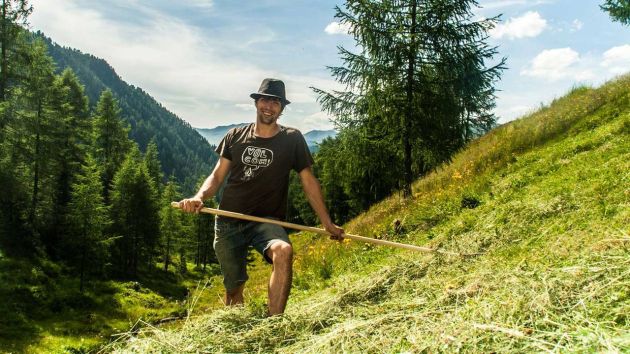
pixel 545 199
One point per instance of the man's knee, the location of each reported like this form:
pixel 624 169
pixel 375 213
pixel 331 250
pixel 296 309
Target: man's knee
pixel 235 291
pixel 281 252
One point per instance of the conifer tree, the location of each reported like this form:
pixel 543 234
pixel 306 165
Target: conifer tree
pixel 135 214
pixel 34 131
pixel 151 159
pixel 72 141
pixel 13 15
pixel 85 244
pixel 420 81
pixel 111 142
pixel 171 228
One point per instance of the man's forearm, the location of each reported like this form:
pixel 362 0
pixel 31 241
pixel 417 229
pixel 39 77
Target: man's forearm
pixel 212 184
pixel 209 188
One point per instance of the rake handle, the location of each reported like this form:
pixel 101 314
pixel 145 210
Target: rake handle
pixel 316 230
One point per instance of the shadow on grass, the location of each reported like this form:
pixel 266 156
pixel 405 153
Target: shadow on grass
pixel 42 308
pixel 16 331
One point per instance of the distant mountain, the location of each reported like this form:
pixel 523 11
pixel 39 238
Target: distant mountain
pixel 214 135
pixel 182 151
pixel 315 137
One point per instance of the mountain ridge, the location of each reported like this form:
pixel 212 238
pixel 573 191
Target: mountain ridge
pixel 183 152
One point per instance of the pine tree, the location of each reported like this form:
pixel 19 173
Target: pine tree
pixel 111 142
pixel 85 245
pixel 151 159
pixel 13 15
pixel 32 135
pixel 420 81
pixel 135 214
pixel 72 140
pixel 171 228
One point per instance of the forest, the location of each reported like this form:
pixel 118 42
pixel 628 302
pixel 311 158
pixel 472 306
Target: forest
pixel 76 188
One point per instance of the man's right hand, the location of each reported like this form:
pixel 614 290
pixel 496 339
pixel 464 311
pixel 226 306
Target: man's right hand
pixel 191 205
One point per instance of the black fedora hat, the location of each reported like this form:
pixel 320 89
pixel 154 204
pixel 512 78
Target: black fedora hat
pixel 271 88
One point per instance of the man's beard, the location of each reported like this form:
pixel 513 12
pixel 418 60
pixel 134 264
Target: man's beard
pixel 267 119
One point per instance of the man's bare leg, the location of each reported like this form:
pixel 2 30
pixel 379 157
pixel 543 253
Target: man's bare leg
pixel 234 296
pixel 281 253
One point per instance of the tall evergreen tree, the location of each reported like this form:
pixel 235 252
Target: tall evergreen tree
pixel 420 81
pixel 13 15
pixel 111 142
pixel 135 214
pixel 151 160
pixel 33 134
pixel 72 141
pixel 171 228
pixel 76 130
pixel 85 245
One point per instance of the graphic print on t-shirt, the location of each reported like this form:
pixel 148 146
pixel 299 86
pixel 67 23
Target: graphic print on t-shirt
pixel 255 158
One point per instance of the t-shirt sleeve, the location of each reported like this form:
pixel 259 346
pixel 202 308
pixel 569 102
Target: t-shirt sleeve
pixel 303 158
pixel 224 147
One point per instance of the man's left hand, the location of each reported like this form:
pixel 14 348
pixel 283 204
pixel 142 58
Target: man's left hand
pixel 336 233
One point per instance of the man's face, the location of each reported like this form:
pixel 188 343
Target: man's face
pixel 268 109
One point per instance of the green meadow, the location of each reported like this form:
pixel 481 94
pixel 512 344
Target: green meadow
pixel 538 208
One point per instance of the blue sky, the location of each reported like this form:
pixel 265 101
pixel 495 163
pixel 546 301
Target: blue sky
pixel 202 58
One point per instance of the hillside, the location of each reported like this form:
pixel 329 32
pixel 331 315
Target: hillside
pixel 182 151
pixel 545 200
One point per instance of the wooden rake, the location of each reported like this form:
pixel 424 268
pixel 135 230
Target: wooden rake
pixel 316 230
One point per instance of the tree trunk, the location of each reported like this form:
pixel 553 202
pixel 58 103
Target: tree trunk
pixel 411 61
pixel 3 59
pixel 83 251
pixel 167 256
pixel 36 166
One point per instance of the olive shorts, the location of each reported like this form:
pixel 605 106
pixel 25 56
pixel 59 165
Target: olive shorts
pixel 231 243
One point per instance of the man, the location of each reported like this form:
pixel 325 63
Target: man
pixel 258 159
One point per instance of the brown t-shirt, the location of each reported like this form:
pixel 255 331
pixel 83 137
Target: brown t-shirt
pixel 258 183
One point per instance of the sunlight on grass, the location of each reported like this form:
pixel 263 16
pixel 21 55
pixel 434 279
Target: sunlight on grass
pixel 544 200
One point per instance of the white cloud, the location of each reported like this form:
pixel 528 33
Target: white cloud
pixel 617 59
pixel 203 4
pixel 337 28
pixel 246 106
pixel 316 121
pixel 510 3
pixel 556 64
pixel 531 24
pixel 576 25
